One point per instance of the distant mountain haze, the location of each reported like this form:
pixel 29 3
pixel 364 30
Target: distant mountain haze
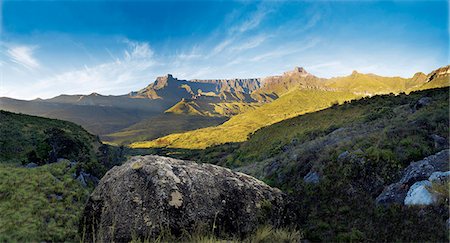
pixel 296 93
pixel 214 98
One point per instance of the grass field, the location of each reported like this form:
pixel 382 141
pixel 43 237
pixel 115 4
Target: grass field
pixel 40 204
pixel 238 128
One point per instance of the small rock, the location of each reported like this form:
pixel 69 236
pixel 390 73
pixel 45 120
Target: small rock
pixel 73 164
pixel 439 142
pixel 418 194
pixel 343 156
pixel 86 178
pixel 424 101
pixel 57 196
pixel 312 178
pixel 439 177
pixel 394 193
pixel 81 179
pixel 31 165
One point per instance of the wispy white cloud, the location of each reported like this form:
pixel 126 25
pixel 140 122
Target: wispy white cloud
pixel 111 77
pixel 249 43
pixel 292 48
pixel 221 46
pixel 252 20
pixel 138 50
pixel 23 55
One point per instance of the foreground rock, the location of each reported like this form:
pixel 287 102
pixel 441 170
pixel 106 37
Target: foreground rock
pixel 153 193
pixel 417 177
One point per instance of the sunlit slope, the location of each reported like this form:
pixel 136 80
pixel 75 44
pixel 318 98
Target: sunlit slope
pixel 211 107
pixel 238 128
pixel 435 83
pixel 160 126
pixel 373 84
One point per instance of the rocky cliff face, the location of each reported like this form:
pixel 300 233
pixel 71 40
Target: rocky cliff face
pixel 168 86
pixel 439 73
pixel 153 193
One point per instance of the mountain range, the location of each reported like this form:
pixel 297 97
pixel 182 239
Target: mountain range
pixel 183 105
pixel 340 163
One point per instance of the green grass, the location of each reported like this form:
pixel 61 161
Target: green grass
pixel 436 83
pixel 20 134
pixel 29 208
pixel 161 125
pixel 263 234
pixel 371 83
pixel 240 126
pixel 384 134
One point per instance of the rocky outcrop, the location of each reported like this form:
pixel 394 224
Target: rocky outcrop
pixel 415 172
pixel 439 73
pixel 312 178
pixel 153 193
pixel 422 102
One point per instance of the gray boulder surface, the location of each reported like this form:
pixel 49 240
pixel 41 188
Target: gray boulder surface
pixel 312 178
pixel 31 165
pixel 415 172
pixel 151 193
pixel 424 101
pixel 439 142
pixel 418 194
pixel 422 169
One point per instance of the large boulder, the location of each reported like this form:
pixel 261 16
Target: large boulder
pixel 152 193
pixel 415 172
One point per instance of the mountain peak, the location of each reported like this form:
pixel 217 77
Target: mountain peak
pixel 298 71
pixel 354 72
pixel 163 81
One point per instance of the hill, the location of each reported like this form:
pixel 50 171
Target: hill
pixel 107 115
pixel 240 126
pixel 371 84
pixel 159 126
pixel 103 115
pixel 97 119
pixel 48 168
pixel 352 151
pixel 22 136
pixel 296 92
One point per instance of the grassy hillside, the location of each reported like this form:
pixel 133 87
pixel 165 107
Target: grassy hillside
pixel 44 203
pixel 25 139
pixel 211 106
pixel 240 126
pixel 40 204
pixel 373 84
pixel 381 135
pixel 94 118
pixel 161 125
pixel 435 83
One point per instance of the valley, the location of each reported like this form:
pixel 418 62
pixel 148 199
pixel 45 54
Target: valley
pixel 224 121
pixel 328 147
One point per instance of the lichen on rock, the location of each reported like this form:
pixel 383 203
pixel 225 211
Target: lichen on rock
pixel 153 193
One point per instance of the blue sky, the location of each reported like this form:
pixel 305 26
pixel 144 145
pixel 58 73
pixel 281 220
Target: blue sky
pixel 113 47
